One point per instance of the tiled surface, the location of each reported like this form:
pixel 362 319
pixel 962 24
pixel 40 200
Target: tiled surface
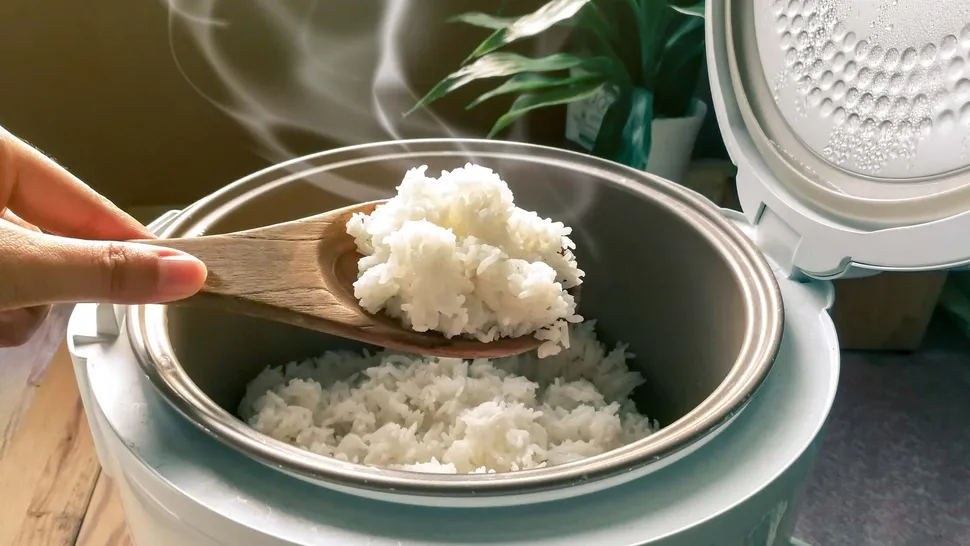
pixel 895 466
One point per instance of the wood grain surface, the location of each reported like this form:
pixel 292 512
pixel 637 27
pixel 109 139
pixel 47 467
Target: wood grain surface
pixel 104 522
pixel 49 468
pixel 302 273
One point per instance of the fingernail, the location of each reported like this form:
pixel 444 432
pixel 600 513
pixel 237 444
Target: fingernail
pixel 179 277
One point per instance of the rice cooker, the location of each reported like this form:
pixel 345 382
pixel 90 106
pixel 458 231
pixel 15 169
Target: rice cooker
pixel 848 125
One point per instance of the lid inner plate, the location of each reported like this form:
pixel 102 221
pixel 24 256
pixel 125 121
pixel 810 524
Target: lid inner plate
pixel 864 107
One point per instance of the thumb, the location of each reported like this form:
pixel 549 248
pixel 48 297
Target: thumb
pixel 60 270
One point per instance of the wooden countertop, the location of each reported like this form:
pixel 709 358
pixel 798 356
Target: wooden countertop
pixel 53 491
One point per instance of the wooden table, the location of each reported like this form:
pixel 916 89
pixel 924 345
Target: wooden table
pixel 52 491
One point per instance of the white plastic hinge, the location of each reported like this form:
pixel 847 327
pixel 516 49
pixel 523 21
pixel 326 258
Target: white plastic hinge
pixel 108 320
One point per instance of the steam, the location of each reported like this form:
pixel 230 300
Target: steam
pixel 329 70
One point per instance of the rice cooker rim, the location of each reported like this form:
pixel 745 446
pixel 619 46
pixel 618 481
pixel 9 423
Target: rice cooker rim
pixel 147 330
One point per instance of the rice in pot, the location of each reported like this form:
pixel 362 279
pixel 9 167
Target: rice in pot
pixel 446 415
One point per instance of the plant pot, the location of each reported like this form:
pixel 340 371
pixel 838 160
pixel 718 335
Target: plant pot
pixel 670 146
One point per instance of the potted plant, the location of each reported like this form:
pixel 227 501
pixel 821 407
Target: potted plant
pixel 630 70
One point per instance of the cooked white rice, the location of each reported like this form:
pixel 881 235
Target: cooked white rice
pixel 446 415
pixel 456 256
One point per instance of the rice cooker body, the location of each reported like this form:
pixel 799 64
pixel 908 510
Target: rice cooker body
pixel 179 485
pixel 655 256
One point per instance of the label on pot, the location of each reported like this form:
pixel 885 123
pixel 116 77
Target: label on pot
pixel 584 117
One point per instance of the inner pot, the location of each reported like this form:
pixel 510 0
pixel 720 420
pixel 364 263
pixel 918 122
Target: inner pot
pixel 665 272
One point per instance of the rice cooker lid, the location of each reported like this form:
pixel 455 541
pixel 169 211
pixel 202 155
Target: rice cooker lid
pixel 850 126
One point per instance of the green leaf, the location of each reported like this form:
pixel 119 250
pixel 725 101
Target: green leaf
pixel 497 65
pixel 533 101
pixel 680 66
pixel 695 10
pixel 530 24
pixel 626 132
pixel 652 18
pixel 531 82
pixel 685 37
pixel 483 20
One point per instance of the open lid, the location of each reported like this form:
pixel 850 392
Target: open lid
pixel 850 126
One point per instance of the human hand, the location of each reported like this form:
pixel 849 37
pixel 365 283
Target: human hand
pixel 59 244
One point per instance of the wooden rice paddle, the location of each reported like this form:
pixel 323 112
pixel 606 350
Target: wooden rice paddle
pixel 302 273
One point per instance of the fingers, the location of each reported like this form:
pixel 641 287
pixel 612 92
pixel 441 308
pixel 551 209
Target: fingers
pixel 43 269
pixel 19 325
pixel 51 198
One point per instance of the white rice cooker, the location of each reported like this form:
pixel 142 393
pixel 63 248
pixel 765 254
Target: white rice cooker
pixel 849 126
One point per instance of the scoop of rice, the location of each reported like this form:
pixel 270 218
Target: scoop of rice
pixel 455 255
pixel 446 415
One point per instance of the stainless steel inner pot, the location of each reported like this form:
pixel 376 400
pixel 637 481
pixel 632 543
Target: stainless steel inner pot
pixel 665 272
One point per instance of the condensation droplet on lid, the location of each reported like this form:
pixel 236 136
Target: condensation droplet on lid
pixel 813 23
pixel 838 90
pixel 879 82
pixel 798 23
pixel 925 126
pixel 787 40
pixel 885 128
pixel 818 67
pixel 965 114
pixel 901 107
pixel 848 43
pixel 850 71
pixel 869 127
pixel 853 122
pixel 908 59
pixel 852 97
pixel 940 99
pixel 946 121
pixel 921 102
pixel 927 55
pixel 862 50
pixel 891 60
pixel 797 69
pixel 883 105
pixel 809 6
pixel 805 84
pixel 827 80
pixel 814 97
pixel 866 102
pixel 839 30
pixel 864 78
pixel 962 89
pixel 781 24
pixel 827 151
pixel 875 56
pixel 955 69
pixel 838 115
pixel 828 51
pixel 948 46
pixel 827 107
pixel 803 40
pixel 905 130
pixel 791 56
pixel 896 83
pixel 965 35
pixel 838 62
pixel 794 7
pixel 915 83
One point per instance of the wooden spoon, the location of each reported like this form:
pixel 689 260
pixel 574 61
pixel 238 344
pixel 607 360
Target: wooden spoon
pixel 302 273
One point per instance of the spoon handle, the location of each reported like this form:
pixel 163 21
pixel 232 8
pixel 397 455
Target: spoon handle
pixel 293 277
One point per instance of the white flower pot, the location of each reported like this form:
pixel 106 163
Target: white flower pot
pixel 672 140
